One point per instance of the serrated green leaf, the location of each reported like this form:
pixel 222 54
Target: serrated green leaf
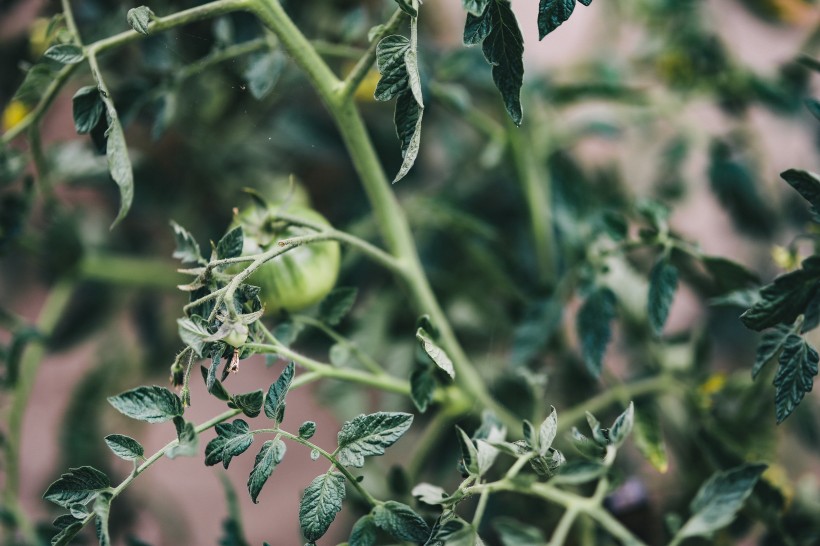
pixel 422 388
pixel 65 53
pixel 216 388
pixel 320 503
pixel 36 81
pixel 307 430
pixel 411 64
pixel 193 333
pixel 77 486
pixel 795 375
pixel 771 343
pixel 719 499
pixel 68 528
pixel 487 455
pixel 139 19
pixel 337 305
pixel 478 26
pixel 551 13
pixel 436 353
pixel 593 325
pixel 363 532
pixel 429 494
pixel 547 432
pixel 514 533
pixel 275 400
pixel 390 53
pixel 663 282
pixel 151 404
pixel 232 439
pixel 503 47
pixel 401 522
pixel 230 245
pixel 187 440
pixel 469 453
pixel 785 298
pixel 407 117
pixel 475 7
pixel 451 530
pixel 407 7
pixel 102 507
pixel 648 436
pixel 578 472
pixel 187 249
pixel 250 403
pixel 729 275
pixel 622 426
pixel 271 454
pixel 88 108
pixel 807 184
pixel 125 447
pixel 263 71
pixel 119 163
pixel 369 435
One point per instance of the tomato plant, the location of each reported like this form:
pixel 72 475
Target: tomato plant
pixel 527 295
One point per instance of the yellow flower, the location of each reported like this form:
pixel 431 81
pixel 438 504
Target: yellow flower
pixel 15 112
pixel 785 258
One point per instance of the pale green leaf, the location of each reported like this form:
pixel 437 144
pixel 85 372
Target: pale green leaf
pixel 369 435
pixel 151 404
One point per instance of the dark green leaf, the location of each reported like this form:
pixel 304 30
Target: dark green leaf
pixel 216 388
pixel 337 304
pixel 422 388
pixel 648 435
pixel 475 7
pixel 119 163
pixel 771 343
pixel 307 430
pixel 469 453
pixel 547 432
pixel 275 401
pixel 478 26
pixel 65 53
pixel 450 530
pixel 230 245
pixel 530 436
pixel 77 486
pixel 187 440
pixel 407 7
pixel 150 404
pixel 514 533
pixel 551 13
pixel 68 527
pixel 407 118
pixel 785 298
pixel 250 403
pixel 37 79
pixel 320 503
pixel 363 532
pixel 663 281
pixel 139 19
pixel 807 184
pixel 232 439
pixel 586 447
pixel 728 275
pixel 622 426
pixel 401 522
pixel 193 332
pixel 102 506
pixel 436 353
pixel 390 53
pixel 578 472
pixel 795 375
pixel 187 248
pixel 271 454
pixel 124 447
pixel 593 325
pixel 88 108
pixel 368 435
pixel 719 499
pixel 263 72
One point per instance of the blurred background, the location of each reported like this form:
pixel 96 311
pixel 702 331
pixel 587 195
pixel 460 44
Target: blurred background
pixel 696 104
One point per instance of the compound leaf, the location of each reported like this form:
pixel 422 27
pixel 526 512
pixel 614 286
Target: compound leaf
pixel 232 439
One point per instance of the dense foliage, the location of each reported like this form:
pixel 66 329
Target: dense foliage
pixel 510 310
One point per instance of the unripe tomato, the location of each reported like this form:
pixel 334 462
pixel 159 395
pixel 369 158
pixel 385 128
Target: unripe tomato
pixel 300 277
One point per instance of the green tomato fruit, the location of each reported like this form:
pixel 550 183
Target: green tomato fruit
pixel 300 277
pixel 237 335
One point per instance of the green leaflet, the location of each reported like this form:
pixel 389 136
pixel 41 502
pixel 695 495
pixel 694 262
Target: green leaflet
pixel 149 404
pixel 593 325
pixel 785 298
pixel 436 353
pixel 271 454
pixel 551 13
pixel 263 71
pixel 622 426
pixel 469 453
pixel 514 533
pixel 320 503
pixel 119 163
pixel 475 7
pixel 363 532
pixel 450 530
pixel 37 79
pixel 578 472
pixel 663 281
pixel 795 375
pixel 65 53
pixel 275 401
pixel 187 438
pixel 68 527
pixel 125 447
pixel 771 343
pixel 250 403
pixel 407 118
pixel 368 435
pixel 187 249
pixel 807 184
pixel 649 437
pixel 390 53
pixel 401 522
pixel 139 19
pixel 88 107
pixel 232 439
pixel 307 430
pixel 230 245
pixel 719 499
pixel 337 305
pixel 422 388
pixel 503 46
pixel 547 432
pixel 77 486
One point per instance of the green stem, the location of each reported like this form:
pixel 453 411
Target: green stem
pixel 559 536
pixel 480 508
pixel 362 67
pixel 364 358
pixel 52 310
pixel 350 478
pixel 537 188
